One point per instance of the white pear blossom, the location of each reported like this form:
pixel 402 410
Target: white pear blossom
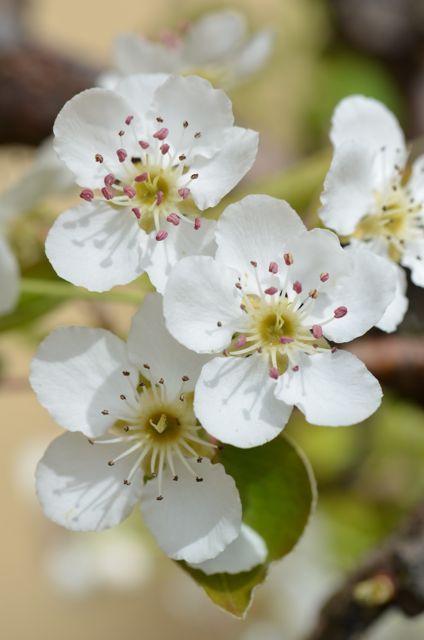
pixel 372 197
pixel 217 47
pixel 9 278
pixel 270 303
pixel 151 155
pixel 132 438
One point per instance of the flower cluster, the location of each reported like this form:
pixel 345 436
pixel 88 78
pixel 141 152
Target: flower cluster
pixel 249 313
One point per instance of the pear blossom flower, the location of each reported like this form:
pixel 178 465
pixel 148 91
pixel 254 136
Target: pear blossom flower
pixel 150 156
pixel 216 47
pixel 270 304
pixel 9 278
pixel 132 438
pixel 372 197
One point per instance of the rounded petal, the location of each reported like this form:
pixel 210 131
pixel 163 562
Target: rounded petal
pixel 214 37
pixel 78 376
pixel 234 400
pixel 195 521
pixel 139 90
pixel 202 304
pixel 221 173
pixel 253 55
pixel 396 310
pixel 246 552
pixel 134 54
pixel 160 258
pixel 256 228
pixel 88 125
pixel 331 389
pixel 413 258
pixel 366 293
pixel 149 342
pixel 9 278
pixel 79 490
pixel 416 181
pixel 190 106
pixel 348 187
pixel 369 122
pixel 96 246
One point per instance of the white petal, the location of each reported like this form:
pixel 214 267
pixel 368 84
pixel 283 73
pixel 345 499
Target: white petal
pixel 160 258
pixel 226 168
pixel 207 111
pixel 79 490
pixel 254 55
pixel 134 54
pixel 369 122
pixel 88 125
pixel 214 37
pixel 348 187
pixel 416 182
pixel 96 246
pixel 256 228
pixel 139 90
pixel 9 278
pixel 234 400
pixel 246 552
pixel 396 310
pixel 195 520
pixel 316 252
pixel 366 292
pixel 77 373
pixel 413 258
pixel 334 389
pixel 200 294
pixel 149 342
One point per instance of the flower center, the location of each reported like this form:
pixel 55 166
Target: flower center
pixel 154 183
pixel 156 429
pixel 395 219
pixel 278 322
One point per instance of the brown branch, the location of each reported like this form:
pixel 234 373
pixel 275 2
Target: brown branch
pixel 393 577
pixel 396 360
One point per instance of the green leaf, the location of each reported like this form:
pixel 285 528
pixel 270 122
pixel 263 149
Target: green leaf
pixel 277 492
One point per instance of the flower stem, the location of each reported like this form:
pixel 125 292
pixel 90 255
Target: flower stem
pixel 63 290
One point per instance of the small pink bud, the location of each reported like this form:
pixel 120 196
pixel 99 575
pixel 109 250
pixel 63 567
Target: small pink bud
pixel 271 291
pixel 317 331
pixel 161 235
pixel 109 179
pixel 174 219
pixel 159 197
pixel 285 339
pixel 107 193
pixel 87 194
pixel 288 259
pixel 161 134
pixel 164 148
pixel 143 144
pixel 136 211
pixel 297 286
pixel 129 119
pixel 142 177
pixel 184 192
pixel 241 342
pixel 340 312
pixel 122 155
pixel 273 373
pixel 273 267
pixel 324 277
pixel 129 191
pixel 197 223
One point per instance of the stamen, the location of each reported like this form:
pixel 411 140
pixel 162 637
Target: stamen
pixel 161 235
pixel 340 312
pixel 273 373
pixel 288 259
pixel 174 219
pixel 161 134
pixel 297 286
pixel 184 192
pixel 317 331
pixel 270 291
pixel 273 267
pixel 87 194
pixel 122 155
